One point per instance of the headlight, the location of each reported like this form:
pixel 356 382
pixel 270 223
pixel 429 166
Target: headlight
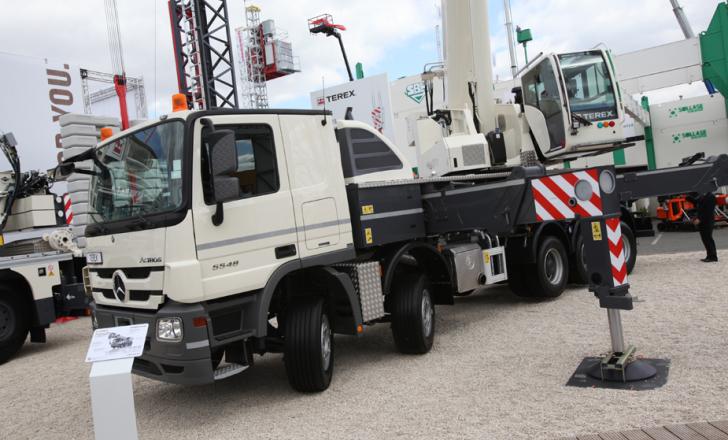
pixel 169 329
pixel 607 181
pixel 583 190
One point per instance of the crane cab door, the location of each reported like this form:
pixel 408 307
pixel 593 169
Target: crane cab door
pixel 544 106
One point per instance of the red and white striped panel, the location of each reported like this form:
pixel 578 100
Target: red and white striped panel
pixel 616 251
pixel 377 119
pixel 555 196
pixel 67 208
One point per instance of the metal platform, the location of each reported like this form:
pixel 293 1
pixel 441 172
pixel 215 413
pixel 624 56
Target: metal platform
pixel 690 431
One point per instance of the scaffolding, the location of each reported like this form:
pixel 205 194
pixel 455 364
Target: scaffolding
pixel 133 85
pixel 252 60
pixel 203 54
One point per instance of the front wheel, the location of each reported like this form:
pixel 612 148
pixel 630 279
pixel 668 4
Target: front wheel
pixel 13 325
pixel 413 313
pixel 309 345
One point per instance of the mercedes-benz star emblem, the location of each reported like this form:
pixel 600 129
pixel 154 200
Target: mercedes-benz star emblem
pixel 119 287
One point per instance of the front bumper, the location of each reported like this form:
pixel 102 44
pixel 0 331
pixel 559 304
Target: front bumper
pixel 187 362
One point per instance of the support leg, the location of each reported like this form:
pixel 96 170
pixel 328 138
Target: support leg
pixel 604 253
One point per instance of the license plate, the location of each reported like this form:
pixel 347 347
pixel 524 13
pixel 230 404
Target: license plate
pixel 94 258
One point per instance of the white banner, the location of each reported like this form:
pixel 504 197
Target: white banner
pixel 34 93
pixel 369 99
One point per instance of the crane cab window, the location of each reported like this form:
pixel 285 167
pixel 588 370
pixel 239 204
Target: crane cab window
pixel 257 172
pixel 363 152
pixel 589 86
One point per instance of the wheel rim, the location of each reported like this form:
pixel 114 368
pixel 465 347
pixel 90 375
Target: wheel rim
pixel 7 321
pixel 427 313
pixel 325 342
pixel 553 266
pixel 626 247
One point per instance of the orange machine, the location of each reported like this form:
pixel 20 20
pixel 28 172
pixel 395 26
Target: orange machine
pixel 679 212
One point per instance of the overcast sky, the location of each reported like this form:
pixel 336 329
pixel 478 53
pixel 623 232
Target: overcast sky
pixel 388 36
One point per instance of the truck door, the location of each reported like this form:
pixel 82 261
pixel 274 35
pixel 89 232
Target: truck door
pixel 544 106
pixel 258 232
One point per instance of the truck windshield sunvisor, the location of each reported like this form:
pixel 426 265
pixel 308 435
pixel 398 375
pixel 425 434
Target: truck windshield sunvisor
pixel 138 174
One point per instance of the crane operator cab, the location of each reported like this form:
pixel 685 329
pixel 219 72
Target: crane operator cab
pixel 572 105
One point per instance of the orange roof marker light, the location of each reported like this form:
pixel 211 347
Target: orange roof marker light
pixel 179 102
pixel 106 132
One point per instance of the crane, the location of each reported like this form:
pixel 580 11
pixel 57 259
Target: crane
pixel 117 59
pixel 203 53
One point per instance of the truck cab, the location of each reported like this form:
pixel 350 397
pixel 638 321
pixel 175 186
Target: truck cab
pixel 199 214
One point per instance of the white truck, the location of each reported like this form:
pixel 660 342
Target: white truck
pixel 234 232
pixel 40 276
pixel 241 232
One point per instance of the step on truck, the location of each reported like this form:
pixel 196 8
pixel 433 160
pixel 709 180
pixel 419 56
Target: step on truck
pixel 241 232
pixel 40 274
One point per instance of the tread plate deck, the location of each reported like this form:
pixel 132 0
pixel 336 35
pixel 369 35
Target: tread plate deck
pixel 690 431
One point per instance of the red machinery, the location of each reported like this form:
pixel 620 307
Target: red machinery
pixel 324 24
pixel 679 212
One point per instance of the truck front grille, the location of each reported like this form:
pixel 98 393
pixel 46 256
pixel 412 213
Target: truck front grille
pixel 132 273
pixel 134 295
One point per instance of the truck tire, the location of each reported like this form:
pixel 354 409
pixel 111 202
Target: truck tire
pixel 546 278
pixel 413 313
pixel 579 272
pixel 13 324
pixel 630 246
pixel 309 345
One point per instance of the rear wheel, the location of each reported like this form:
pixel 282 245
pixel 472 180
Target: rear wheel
pixel 547 277
pixel 413 313
pixel 13 325
pixel 309 345
pixel 629 246
pixel 579 273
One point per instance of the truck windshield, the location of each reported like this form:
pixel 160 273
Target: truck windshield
pixel 589 86
pixel 138 174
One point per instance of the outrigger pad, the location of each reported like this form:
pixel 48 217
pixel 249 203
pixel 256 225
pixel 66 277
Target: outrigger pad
pixel 582 379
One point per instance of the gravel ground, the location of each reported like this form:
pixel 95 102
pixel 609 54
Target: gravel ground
pixel 497 371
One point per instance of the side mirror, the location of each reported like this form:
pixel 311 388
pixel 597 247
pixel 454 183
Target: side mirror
pixel 223 158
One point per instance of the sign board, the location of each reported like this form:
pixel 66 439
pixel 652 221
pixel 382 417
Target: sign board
pixel 34 93
pixel 688 126
pixel 369 99
pixel 117 343
pixel 408 104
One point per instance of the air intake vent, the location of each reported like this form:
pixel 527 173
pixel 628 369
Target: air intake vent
pixel 473 155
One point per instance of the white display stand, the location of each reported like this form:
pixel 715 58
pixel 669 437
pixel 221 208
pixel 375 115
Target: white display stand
pixel 112 351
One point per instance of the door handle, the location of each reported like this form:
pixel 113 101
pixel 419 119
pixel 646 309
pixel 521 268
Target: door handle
pixel 285 251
